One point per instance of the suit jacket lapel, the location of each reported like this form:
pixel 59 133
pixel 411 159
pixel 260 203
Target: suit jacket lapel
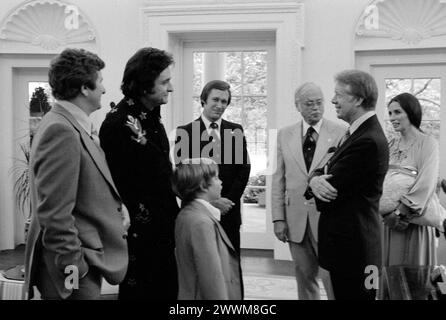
pixel 357 134
pixel 294 141
pixel 220 228
pixel 92 149
pixel 324 141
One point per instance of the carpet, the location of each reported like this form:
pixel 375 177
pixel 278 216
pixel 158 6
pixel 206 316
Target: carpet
pixel 273 287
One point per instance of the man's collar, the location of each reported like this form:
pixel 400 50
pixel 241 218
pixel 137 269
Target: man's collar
pixel 207 123
pixel 316 127
pixel 357 123
pixel 78 114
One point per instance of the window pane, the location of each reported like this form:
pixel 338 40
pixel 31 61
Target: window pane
pixel 198 72
pixel 233 71
pixel 428 92
pixel 233 112
pixel 40 102
pixel 432 128
pixel 255 64
pixel 197 107
pixel 396 86
pixel 255 128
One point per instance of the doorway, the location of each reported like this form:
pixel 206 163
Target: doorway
pixel 248 67
pixel 426 79
pixel 31 99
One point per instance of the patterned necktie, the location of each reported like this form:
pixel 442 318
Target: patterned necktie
pixel 215 140
pixel 95 137
pixel 309 146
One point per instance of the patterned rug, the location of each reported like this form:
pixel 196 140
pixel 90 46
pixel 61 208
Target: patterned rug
pixel 272 287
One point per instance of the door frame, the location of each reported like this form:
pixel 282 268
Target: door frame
pixel 249 240
pixel 9 64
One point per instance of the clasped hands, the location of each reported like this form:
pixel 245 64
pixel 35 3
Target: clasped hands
pixel 397 219
pixel 322 189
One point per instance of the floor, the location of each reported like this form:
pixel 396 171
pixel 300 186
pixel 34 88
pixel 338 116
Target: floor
pixel 264 277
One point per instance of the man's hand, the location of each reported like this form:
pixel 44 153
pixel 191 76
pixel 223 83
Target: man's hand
pixel 125 217
pixel 281 230
pixel 223 204
pixel 322 189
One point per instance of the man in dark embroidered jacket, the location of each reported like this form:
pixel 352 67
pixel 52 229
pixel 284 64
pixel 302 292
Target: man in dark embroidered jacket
pixel 137 150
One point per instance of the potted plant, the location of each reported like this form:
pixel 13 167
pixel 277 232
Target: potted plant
pixel 38 107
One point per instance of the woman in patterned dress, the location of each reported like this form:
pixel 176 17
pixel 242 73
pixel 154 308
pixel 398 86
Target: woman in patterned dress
pixel 406 243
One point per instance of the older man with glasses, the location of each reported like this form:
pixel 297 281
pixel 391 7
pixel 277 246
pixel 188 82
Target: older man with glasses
pixel 301 148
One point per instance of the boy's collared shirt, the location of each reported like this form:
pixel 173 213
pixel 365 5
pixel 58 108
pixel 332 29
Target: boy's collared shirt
pixel 214 211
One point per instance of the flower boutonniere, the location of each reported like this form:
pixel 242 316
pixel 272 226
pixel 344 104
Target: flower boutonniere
pixel 135 127
pixel 130 102
pixel 113 107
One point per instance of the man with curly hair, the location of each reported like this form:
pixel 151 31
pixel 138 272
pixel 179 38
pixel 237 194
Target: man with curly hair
pixel 79 223
pixel 137 151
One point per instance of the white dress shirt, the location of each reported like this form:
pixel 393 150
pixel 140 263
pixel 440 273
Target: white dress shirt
pixel 357 123
pixel 214 211
pixel 207 124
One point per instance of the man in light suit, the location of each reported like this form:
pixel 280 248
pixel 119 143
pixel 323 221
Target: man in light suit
pixel 348 189
pixel 301 148
pixel 78 230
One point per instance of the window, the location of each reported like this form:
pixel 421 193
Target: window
pixel 428 92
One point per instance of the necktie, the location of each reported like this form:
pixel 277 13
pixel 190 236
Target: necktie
pixel 344 138
pixel 309 146
pixel 95 137
pixel 215 140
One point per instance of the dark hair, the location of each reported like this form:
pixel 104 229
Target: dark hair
pixel 215 84
pixel 191 176
pixel 410 104
pixel 362 85
pixel 142 69
pixel 71 70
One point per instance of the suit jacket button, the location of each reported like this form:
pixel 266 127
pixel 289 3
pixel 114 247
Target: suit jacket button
pixel 135 235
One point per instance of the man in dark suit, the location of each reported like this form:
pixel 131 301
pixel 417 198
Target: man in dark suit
pixel 349 187
pixel 77 234
pixel 137 151
pixel 210 136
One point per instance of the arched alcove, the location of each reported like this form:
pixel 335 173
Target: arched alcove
pixel 392 24
pixel 45 26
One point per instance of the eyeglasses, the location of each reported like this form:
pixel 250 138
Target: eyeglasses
pixel 313 103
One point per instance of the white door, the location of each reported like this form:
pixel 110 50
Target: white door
pixel 26 82
pixel 247 66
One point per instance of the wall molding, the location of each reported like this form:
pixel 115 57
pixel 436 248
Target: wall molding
pixel 406 23
pixel 45 26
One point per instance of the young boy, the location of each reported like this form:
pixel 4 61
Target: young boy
pixel 208 265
